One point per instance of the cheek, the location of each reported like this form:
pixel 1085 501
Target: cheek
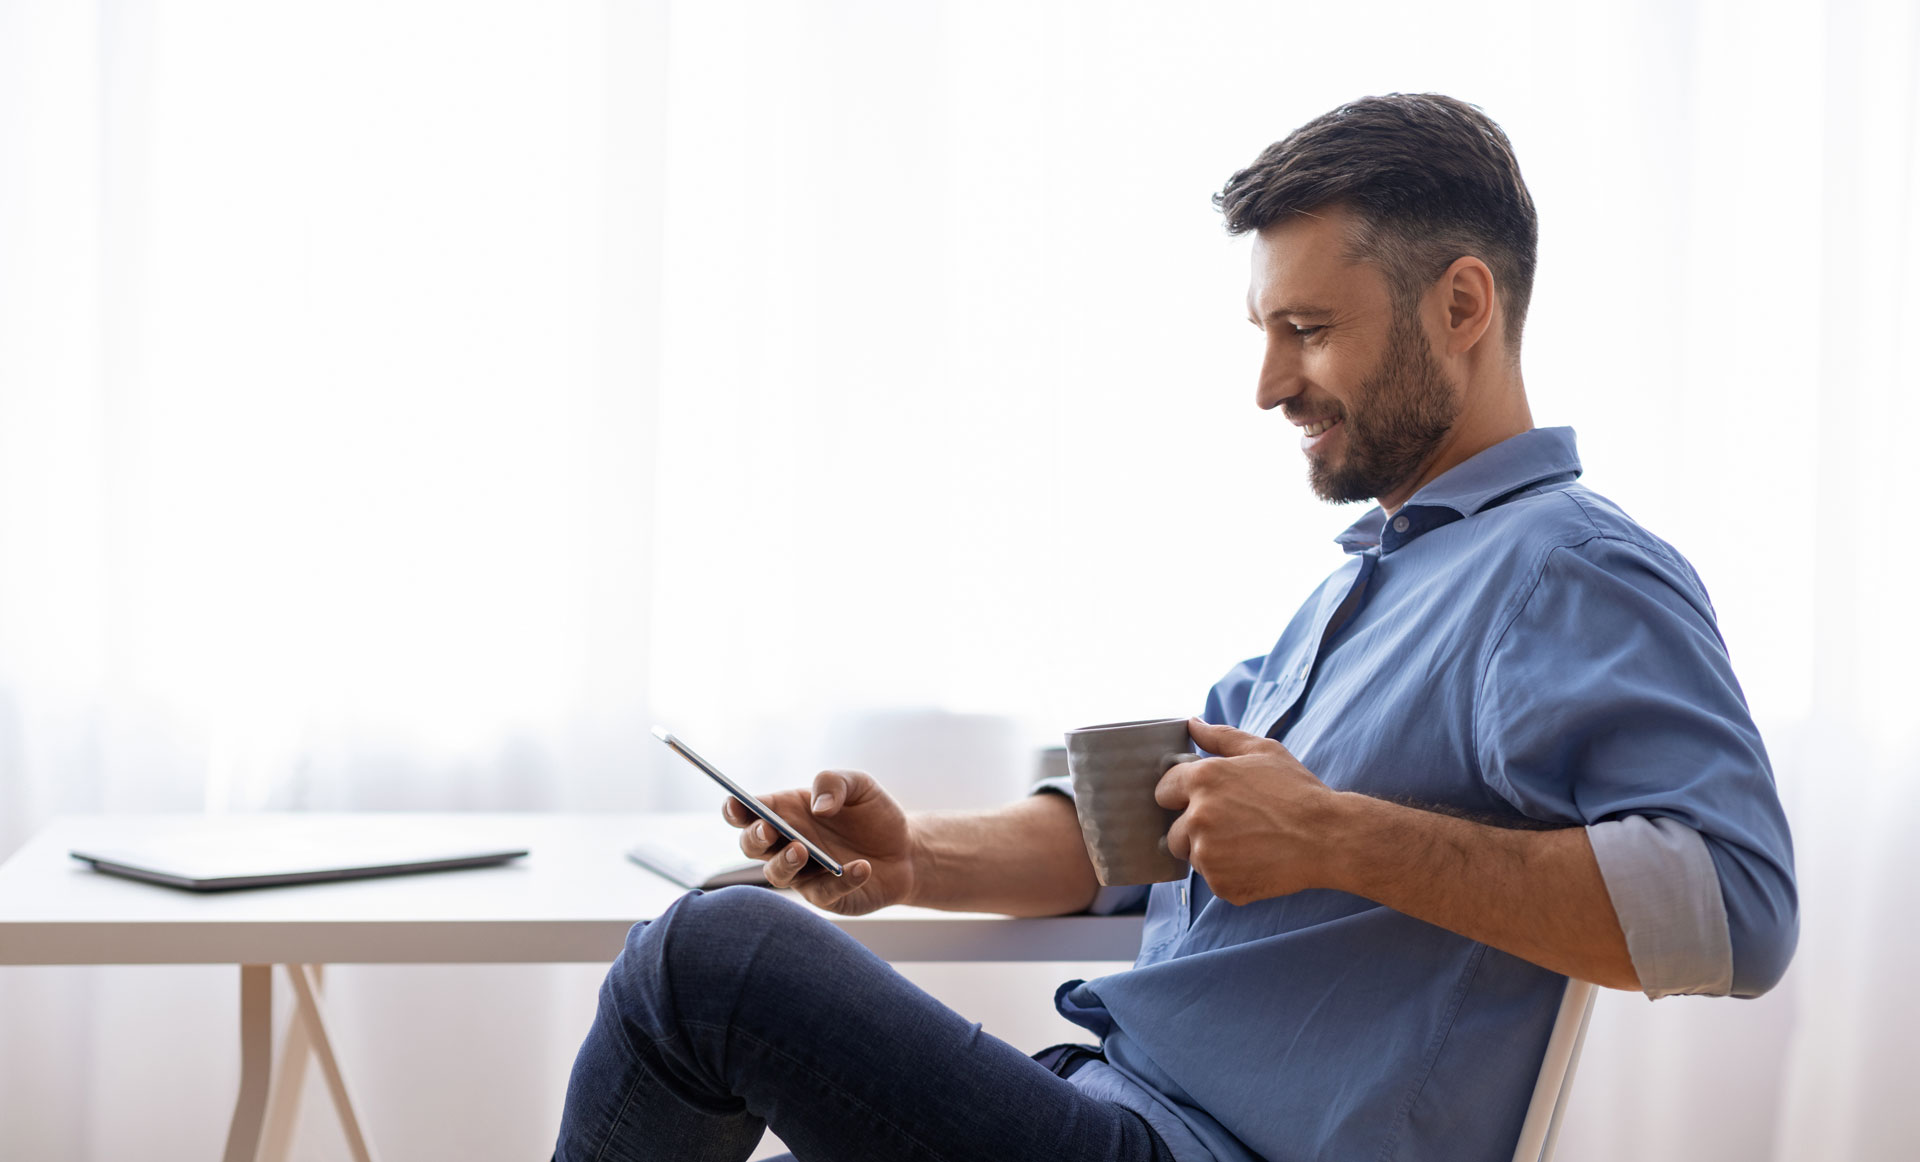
pixel 1333 376
pixel 1350 374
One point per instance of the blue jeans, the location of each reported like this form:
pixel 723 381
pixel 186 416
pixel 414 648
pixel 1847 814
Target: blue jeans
pixel 737 1010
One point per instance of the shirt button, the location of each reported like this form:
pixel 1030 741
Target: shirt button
pixel 1183 895
pixel 1401 524
pixel 1305 670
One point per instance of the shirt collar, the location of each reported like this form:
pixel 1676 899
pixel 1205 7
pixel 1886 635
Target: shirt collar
pixel 1517 462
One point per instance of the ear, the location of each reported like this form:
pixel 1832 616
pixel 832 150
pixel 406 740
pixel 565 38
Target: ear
pixel 1467 289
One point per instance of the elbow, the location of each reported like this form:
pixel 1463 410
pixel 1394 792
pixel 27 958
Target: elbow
pixel 1625 979
pixel 1762 950
pixel 1612 966
pixel 1763 923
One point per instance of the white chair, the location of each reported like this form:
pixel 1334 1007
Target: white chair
pixel 1542 1127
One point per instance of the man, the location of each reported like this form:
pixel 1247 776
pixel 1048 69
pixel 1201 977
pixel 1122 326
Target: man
pixel 1500 746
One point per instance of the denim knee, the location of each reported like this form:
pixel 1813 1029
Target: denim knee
pixel 692 964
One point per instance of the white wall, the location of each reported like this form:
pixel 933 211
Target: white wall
pixel 406 405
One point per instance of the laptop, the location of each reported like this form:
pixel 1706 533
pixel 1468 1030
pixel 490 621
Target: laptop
pixel 216 855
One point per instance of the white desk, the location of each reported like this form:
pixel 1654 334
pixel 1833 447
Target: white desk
pixel 571 900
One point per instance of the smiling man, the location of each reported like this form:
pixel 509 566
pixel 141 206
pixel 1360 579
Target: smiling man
pixel 1501 745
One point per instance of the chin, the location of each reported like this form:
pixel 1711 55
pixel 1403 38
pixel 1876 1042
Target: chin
pixel 1338 487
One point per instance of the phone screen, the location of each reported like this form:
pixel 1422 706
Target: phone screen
pixel 752 804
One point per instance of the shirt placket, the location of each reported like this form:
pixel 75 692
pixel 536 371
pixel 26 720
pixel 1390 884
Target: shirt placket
pixel 1193 892
pixel 1271 715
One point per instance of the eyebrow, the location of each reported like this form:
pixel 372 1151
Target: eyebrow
pixel 1302 309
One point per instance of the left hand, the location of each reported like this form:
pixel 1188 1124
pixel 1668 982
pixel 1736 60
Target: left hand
pixel 1253 821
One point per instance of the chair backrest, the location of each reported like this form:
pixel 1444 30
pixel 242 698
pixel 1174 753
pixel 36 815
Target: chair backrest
pixel 1542 1127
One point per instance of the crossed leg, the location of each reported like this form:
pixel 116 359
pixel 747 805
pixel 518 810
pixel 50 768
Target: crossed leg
pixel 737 1010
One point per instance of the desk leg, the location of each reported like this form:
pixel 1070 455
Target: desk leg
pixel 306 993
pixel 256 1061
pixel 289 1081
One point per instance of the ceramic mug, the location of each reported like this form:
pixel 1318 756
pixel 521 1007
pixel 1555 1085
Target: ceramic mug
pixel 1115 768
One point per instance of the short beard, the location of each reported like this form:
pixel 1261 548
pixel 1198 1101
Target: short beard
pixel 1401 414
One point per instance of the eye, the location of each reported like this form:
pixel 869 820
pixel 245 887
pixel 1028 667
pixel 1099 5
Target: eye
pixel 1305 332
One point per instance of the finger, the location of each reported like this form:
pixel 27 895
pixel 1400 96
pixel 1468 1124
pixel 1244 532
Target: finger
pixel 735 812
pixel 1178 843
pixel 843 789
pixel 786 865
pixel 824 890
pixel 759 841
pixel 832 790
pixel 1225 740
pixel 1172 791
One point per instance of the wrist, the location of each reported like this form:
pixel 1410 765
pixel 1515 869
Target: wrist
pixel 1354 854
pixel 919 860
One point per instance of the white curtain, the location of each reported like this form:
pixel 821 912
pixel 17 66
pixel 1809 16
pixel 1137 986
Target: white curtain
pixel 405 405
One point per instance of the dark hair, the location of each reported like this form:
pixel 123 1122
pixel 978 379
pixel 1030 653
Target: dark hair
pixel 1430 179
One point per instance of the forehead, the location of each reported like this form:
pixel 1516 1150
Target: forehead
pixel 1304 261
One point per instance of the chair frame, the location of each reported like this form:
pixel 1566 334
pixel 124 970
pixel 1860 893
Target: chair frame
pixel 1549 1105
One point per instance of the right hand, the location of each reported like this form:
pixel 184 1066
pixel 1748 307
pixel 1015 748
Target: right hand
pixel 850 818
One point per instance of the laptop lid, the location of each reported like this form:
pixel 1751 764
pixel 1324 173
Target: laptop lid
pixel 250 852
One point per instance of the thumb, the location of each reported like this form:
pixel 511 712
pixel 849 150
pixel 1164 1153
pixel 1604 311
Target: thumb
pixel 1225 740
pixel 833 790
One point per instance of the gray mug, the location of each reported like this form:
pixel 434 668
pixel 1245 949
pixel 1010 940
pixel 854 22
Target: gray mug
pixel 1115 768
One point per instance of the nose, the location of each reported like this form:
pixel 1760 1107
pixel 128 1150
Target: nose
pixel 1280 378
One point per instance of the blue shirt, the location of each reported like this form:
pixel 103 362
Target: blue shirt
pixel 1511 646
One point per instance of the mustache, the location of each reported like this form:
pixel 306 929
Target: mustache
pixel 1305 415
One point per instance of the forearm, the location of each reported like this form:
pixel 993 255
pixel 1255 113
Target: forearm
pixel 1536 894
pixel 1025 859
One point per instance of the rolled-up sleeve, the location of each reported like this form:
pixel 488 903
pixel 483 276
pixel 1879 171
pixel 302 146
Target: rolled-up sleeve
pixel 1666 894
pixel 1609 702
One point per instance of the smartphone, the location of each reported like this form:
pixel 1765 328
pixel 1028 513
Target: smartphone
pixel 752 804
